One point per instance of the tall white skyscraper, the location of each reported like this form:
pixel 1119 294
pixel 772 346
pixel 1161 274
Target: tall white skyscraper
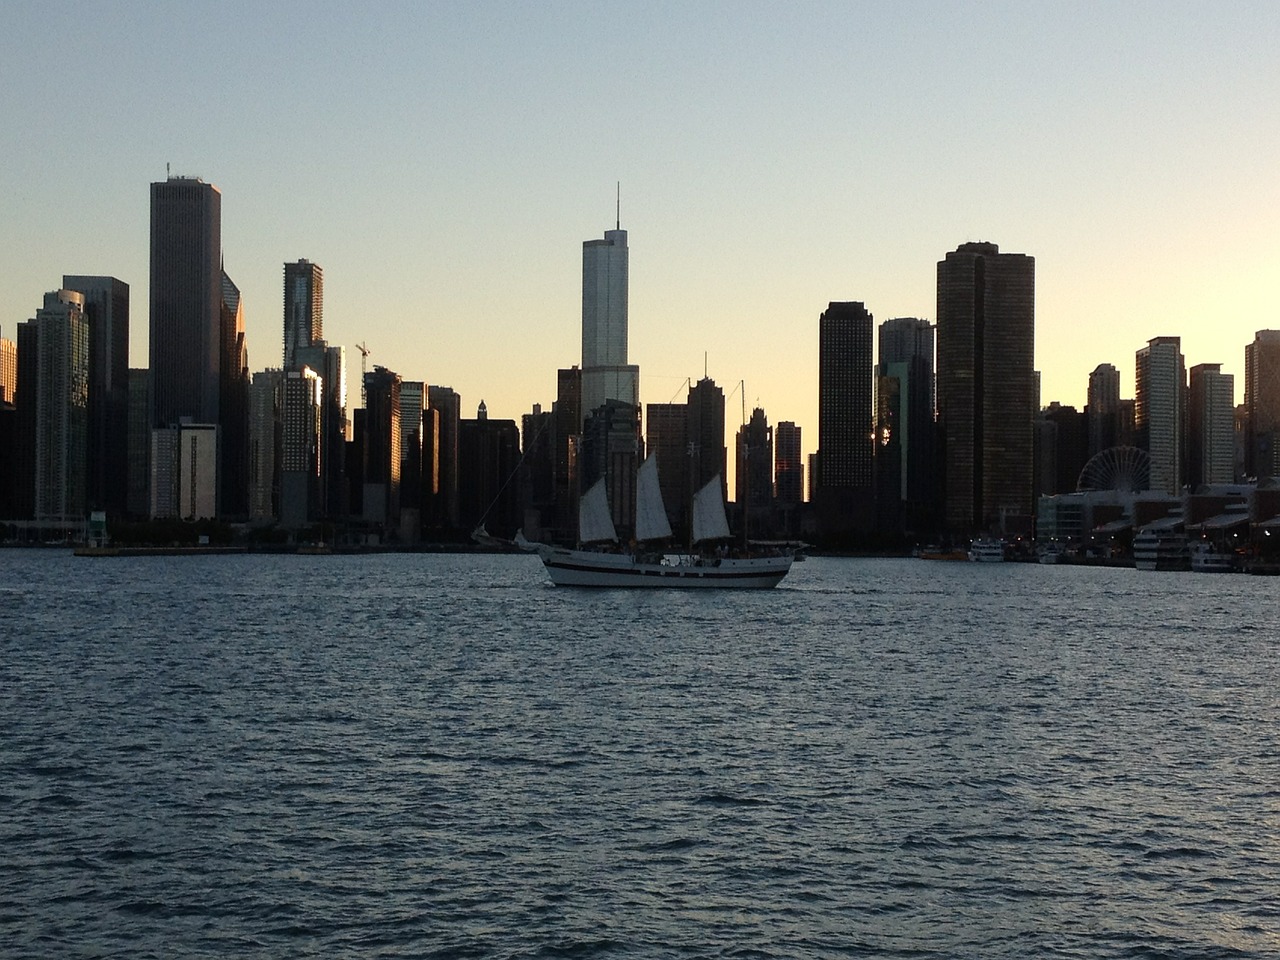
pixel 1159 410
pixel 606 375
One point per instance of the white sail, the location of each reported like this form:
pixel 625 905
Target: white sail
pixel 651 515
pixel 709 522
pixel 594 521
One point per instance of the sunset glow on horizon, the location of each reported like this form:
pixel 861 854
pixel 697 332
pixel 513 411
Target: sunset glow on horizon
pixel 444 164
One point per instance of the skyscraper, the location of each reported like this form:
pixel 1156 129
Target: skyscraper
pixel 843 486
pixel 1103 410
pixel 444 511
pixel 568 418
pixel 986 387
pixel 8 370
pixel 667 438
pixel 264 442
pixel 186 301
pixel 62 407
pixel 106 302
pixel 905 429
pixel 301 403
pixel 788 464
pixel 707 455
pixel 335 424
pixel 233 405
pixel 754 475
pixel 139 443
pixel 1159 415
pixel 488 454
pixel 1262 405
pixel 1211 437
pixel 381 454
pixel 606 375
pixel 303 308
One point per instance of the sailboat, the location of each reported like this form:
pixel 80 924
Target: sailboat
pixel 599 562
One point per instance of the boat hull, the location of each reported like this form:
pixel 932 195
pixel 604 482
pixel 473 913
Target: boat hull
pixel 584 568
pixel 1162 552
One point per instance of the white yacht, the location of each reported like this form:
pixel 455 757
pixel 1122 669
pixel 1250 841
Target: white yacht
pixel 1205 558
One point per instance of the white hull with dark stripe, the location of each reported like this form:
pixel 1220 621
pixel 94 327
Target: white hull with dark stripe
pixel 587 568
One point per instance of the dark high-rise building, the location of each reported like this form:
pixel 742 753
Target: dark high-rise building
pixel 26 391
pixel 788 477
pixel 667 438
pixel 444 511
pixel 413 398
pixel 568 438
pixel 233 406
pixel 139 443
pixel 1103 409
pixel 611 449
pixel 381 454
pixel 538 471
pixel 843 486
pixel 488 453
pixel 788 464
pixel 106 302
pixel 754 474
pixel 330 363
pixel 265 426
pixel 61 407
pixel 1063 443
pixel 186 301
pixel 301 404
pixel 303 308
pixel 905 426
pixel 707 455
pixel 1262 405
pixel 1211 421
pixel 986 387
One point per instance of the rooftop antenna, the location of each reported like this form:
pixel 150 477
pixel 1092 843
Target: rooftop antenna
pixel 704 364
pixel 166 169
pixel 617 224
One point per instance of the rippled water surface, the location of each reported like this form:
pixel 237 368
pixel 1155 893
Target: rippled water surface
pixel 406 756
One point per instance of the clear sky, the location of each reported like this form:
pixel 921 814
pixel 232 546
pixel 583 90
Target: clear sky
pixel 443 163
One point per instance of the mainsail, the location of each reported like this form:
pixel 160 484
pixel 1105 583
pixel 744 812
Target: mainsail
pixel 709 522
pixel 651 515
pixel 594 521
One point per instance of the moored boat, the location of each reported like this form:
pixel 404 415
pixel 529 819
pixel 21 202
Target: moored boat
pixel 987 550
pixel 933 552
pixel 1205 558
pixel 1050 552
pixel 1161 547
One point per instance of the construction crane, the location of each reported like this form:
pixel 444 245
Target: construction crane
pixel 364 368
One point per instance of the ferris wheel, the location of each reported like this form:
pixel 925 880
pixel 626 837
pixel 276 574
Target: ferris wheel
pixel 1126 469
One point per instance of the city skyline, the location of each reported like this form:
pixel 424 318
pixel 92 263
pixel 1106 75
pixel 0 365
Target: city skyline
pixel 751 198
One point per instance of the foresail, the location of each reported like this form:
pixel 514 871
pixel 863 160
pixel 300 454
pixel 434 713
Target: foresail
pixel 594 521
pixel 709 522
pixel 651 515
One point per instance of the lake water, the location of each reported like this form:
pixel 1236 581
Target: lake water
pixel 444 756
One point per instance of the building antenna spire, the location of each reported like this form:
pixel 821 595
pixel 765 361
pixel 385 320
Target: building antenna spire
pixel 617 224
